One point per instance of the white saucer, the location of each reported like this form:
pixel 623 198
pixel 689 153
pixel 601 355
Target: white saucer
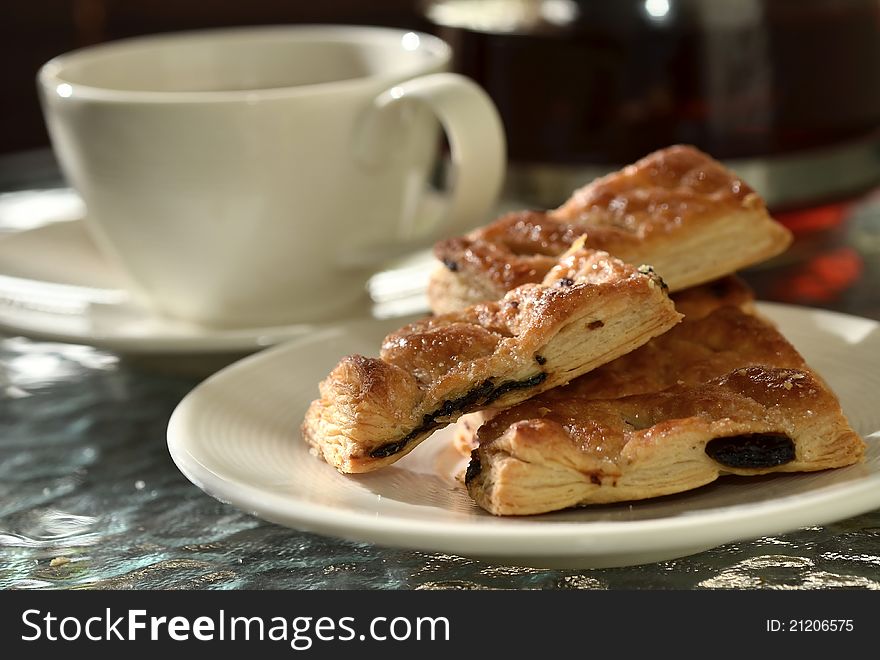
pixel 56 286
pixel 237 437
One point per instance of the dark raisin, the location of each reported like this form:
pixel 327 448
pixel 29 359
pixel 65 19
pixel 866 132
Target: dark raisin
pixel 511 385
pixel 451 265
pixel 484 394
pixel 457 405
pixel 474 468
pixel 540 359
pixel 565 282
pixel 594 325
pixel 752 450
pixel 389 448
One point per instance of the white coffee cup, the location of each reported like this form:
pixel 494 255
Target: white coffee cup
pixel 254 176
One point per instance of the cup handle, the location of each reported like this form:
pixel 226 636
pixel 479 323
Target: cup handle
pixel 476 139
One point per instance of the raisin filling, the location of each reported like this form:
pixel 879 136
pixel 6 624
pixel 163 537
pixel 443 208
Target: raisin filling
pixel 752 450
pixel 474 468
pixel 483 394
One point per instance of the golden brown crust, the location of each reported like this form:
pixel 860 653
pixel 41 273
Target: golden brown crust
pixel 716 336
pixel 698 302
pixel 660 193
pixel 691 353
pixel 550 453
pixel 590 309
pixel 677 209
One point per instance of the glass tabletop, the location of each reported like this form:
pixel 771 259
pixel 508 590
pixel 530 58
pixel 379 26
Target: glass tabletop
pixel 90 498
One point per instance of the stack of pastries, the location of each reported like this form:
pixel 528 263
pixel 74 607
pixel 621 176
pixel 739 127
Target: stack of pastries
pixel 600 352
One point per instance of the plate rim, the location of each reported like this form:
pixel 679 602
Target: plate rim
pixel 515 537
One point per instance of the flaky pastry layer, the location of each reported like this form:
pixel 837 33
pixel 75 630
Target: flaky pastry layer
pixel 677 209
pixel 590 309
pixel 552 453
pixel 718 334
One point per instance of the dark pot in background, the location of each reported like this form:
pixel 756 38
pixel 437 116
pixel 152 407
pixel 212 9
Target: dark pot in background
pixel 784 91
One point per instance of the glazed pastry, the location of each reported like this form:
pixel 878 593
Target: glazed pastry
pixel 677 209
pixel 590 309
pixel 716 336
pixel 552 453
pixel 698 302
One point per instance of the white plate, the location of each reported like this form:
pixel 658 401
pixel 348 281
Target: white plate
pixel 237 437
pixel 56 286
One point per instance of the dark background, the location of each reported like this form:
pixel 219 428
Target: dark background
pixel 34 31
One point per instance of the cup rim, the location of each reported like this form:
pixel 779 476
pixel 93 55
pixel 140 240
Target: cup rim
pixel 51 74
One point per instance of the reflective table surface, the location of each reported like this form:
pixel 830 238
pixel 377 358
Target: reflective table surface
pixel 90 499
